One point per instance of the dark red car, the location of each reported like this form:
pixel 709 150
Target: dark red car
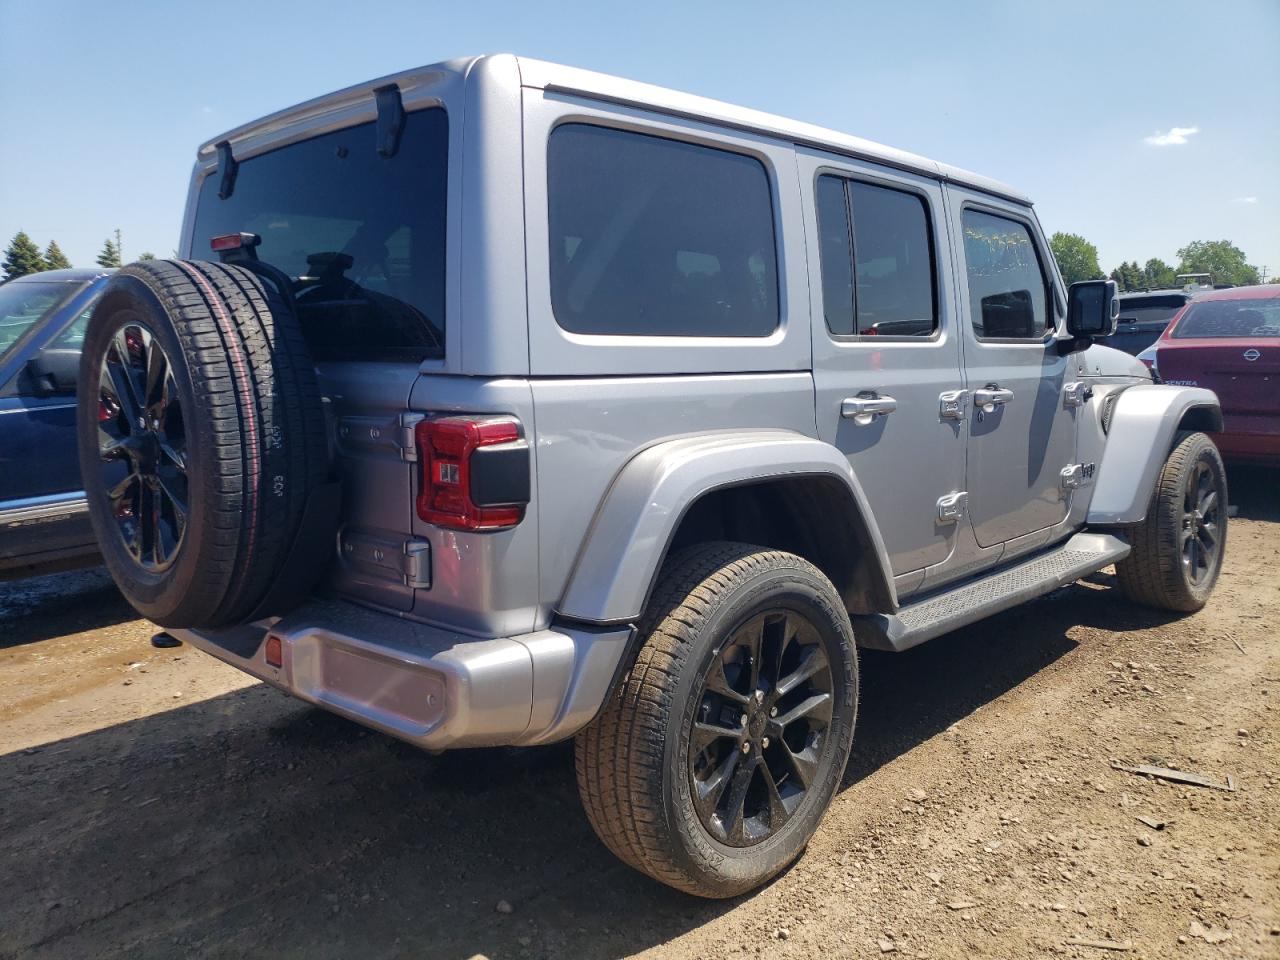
pixel 1229 342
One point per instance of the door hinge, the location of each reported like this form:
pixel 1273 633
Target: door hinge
pixel 1076 393
pixel 952 403
pixel 405 438
pixel 1077 475
pixel 952 507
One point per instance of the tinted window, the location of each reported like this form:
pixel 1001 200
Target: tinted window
pixel 881 270
pixel 361 237
pixel 1230 318
pixel 893 253
pixel 22 304
pixel 1007 289
pixel 836 250
pixel 654 237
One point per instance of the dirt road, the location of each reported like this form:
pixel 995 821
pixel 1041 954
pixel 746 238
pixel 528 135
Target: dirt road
pixel 155 803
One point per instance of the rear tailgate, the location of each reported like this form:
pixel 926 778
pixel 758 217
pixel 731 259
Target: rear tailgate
pixel 1245 374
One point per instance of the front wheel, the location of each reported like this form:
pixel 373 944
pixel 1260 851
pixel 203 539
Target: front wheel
pixel 1178 549
pixel 713 763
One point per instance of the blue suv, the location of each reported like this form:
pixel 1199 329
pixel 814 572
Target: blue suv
pixel 44 524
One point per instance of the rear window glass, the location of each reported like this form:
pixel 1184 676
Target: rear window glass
pixel 361 237
pixel 655 237
pixel 1230 318
pixel 1008 294
pixel 1141 309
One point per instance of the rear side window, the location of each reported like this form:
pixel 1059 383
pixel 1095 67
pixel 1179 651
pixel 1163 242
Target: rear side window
pixel 656 237
pixel 1230 318
pixel 1008 293
pixel 361 237
pixel 877 260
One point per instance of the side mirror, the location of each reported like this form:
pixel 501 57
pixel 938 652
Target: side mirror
pixel 1093 307
pixel 54 371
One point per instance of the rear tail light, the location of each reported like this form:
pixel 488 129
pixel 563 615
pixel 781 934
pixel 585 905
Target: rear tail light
pixel 475 472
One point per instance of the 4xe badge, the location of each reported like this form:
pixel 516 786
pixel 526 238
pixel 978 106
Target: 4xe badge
pixel 1251 354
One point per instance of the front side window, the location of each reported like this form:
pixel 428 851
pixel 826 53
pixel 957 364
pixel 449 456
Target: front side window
pixel 360 236
pixel 656 237
pixel 1230 318
pixel 1008 294
pixel 877 260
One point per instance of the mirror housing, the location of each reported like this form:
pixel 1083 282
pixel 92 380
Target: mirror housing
pixel 54 371
pixel 1093 307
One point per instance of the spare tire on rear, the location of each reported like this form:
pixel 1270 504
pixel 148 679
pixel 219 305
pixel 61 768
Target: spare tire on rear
pixel 202 442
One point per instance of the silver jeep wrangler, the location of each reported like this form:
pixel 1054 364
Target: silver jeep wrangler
pixel 498 403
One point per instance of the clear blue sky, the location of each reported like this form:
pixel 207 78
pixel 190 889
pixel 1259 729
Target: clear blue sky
pixel 102 104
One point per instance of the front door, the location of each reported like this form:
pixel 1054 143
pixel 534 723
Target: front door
pixel 885 350
pixel 1022 430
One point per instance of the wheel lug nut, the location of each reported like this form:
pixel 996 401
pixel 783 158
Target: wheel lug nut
pixel 746 748
pixel 773 711
pixel 743 720
pixel 764 744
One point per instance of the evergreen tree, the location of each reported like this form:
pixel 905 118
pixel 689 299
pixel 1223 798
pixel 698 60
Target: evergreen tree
pixel 22 257
pixel 110 255
pixel 54 258
pixel 146 255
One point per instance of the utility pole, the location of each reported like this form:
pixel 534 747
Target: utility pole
pixel 119 246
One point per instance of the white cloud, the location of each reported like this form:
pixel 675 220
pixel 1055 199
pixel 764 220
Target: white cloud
pixel 1245 200
pixel 1175 137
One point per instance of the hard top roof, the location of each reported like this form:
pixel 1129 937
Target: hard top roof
pixel 539 74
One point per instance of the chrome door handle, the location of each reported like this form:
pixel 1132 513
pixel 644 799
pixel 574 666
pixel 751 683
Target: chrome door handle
pixel 991 396
pixel 862 410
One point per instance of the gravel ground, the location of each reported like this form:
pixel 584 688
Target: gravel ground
pixel 156 803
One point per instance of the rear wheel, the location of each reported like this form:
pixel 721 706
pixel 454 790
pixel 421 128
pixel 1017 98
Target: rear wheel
pixel 711 767
pixel 201 437
pixel 1178 549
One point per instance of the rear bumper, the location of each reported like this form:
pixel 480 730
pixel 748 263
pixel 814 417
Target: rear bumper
pixel 1250 440
pixel 428 685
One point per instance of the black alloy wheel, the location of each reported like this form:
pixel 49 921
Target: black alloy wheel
pixel 760 728
pixel 1200 536
pixel 142 446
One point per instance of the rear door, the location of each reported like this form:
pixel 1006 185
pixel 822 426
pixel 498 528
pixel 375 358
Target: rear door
pixel 1022 432
pixel 361 236
pixel 886 356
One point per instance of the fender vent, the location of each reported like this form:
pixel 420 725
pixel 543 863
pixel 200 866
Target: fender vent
pixel 1108 408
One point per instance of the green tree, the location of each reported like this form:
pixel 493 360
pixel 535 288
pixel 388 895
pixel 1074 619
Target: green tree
pixel 1221 258
pixel 54 258
pixel 22 257
pixel 1159 274
pixel 1129 276
pixel 110 255
pixel 146 255
pixel 1077 257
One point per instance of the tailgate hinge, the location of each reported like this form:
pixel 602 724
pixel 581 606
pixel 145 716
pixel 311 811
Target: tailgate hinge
pixel 405 440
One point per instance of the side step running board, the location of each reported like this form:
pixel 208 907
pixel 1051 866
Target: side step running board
pixel 973 600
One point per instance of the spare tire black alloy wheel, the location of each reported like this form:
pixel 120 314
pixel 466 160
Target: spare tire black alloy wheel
pixel 202 441
pixel 142 441
pixel 760 727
